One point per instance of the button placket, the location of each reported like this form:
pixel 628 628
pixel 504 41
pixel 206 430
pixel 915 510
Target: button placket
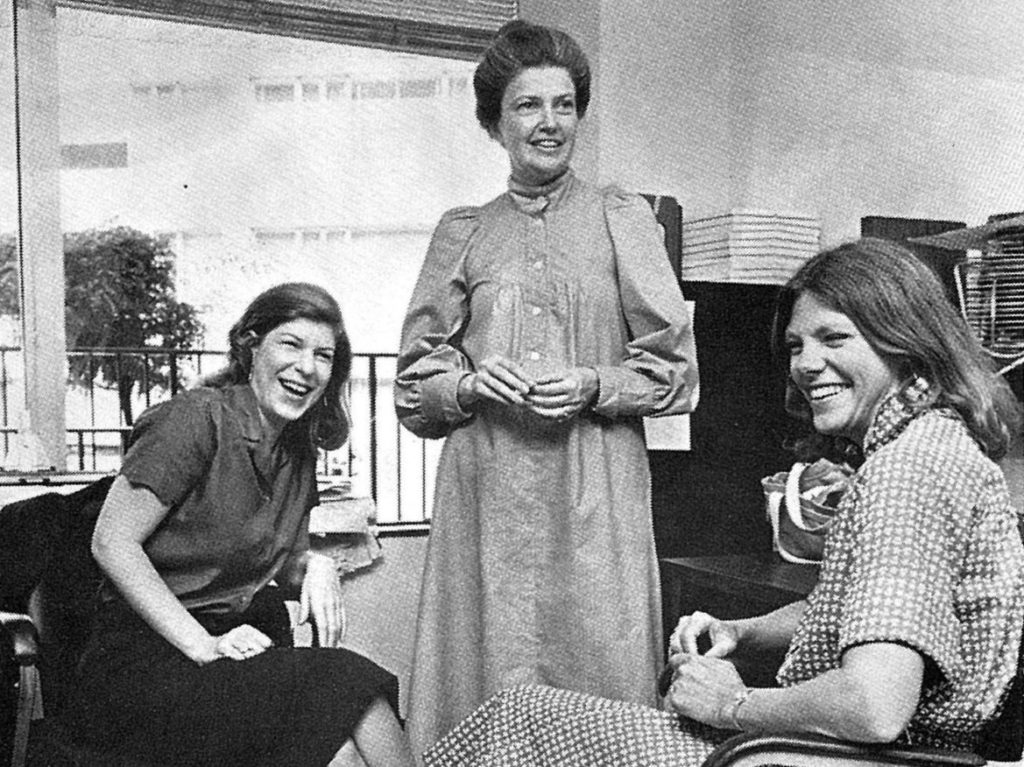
pixel 535 238
pixel 537 262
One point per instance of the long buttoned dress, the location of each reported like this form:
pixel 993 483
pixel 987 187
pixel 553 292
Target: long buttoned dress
pixel 541 565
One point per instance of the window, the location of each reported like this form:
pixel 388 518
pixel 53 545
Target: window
pixel 85 156
pixel 419 89
pixel 340 183
pixel 336 90
pixel 374 89
pixel 275 93
pixel 311 91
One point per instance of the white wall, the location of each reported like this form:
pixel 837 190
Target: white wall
pixel 880 108
pixel 827 107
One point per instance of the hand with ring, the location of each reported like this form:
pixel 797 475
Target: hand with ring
pixel 242 642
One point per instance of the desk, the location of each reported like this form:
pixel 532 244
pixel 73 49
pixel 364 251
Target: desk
pixel 733 586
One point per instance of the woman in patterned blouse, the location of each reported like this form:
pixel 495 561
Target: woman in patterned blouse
pixel 912 632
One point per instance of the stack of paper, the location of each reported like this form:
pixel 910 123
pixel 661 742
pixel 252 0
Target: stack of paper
pixel 748 246
pixel 344 527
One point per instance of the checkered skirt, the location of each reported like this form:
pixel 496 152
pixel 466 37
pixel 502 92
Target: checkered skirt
pixel 536 726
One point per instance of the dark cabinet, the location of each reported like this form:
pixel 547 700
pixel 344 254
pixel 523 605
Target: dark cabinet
pixel 709 500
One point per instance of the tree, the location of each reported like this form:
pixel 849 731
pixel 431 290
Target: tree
pixel 119 292
pixel 10 301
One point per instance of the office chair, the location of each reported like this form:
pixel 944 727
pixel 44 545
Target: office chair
pixel 1002 740
pixel 47 592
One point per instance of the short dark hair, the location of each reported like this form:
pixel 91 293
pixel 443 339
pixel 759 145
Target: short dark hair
pixel 900 307
pixel 327 422
pixel 518 46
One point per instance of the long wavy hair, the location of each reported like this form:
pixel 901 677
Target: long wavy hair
pixel 900 307
pixel 326 424
pixel 519 45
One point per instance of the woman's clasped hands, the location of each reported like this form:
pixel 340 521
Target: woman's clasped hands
pixel 704 686
pixel 556 396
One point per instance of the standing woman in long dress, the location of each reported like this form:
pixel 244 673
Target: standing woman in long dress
pixel 543 326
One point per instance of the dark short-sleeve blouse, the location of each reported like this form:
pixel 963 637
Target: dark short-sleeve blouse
pixel 924 552
pixel 239 506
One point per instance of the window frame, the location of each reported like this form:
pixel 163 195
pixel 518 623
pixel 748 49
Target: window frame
pixel 318 22
pixel 39 233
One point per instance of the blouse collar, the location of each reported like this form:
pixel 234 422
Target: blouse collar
pixel 895 414
pixel 536 199
pixel 248 410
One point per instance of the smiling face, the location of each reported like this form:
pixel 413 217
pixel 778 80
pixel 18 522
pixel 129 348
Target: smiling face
pixel 841 376
pixel 291 367
pixel 538 124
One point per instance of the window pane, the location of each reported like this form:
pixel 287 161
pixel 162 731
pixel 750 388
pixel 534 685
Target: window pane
pixel 11 368
pixel 257 159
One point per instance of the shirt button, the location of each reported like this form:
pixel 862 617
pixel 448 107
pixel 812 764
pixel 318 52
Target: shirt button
pixel 534 356
pixel 534 310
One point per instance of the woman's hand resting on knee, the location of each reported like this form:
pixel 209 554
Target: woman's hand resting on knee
pixel 240 643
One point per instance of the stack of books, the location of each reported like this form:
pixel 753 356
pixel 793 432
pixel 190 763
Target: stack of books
pixel 748 246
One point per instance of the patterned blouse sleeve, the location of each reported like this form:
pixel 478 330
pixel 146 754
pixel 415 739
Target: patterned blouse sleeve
pixel 172 446
pixel 911 537
pixel 658 375
pixel 431 362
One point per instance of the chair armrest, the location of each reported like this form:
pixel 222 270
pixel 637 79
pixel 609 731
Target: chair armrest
pixel 19 640
pixel 750 749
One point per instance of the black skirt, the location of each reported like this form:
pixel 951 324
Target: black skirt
pixel 138 696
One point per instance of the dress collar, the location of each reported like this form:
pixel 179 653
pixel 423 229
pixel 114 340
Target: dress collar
pixel 534 200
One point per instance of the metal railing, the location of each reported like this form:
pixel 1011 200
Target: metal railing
pixel 381 459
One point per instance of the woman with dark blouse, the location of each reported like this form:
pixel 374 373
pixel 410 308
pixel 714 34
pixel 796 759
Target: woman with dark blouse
pixel 190 662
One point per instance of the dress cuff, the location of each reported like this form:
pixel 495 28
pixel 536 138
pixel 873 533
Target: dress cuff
pixel 439 398
pixel 614 397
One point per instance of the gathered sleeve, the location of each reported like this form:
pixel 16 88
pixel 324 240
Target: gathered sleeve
pixel 658 375
pixel 431 361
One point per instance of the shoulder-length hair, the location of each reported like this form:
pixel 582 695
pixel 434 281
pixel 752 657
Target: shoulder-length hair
pixel 519 45
pixel 898 304
pixel 326 424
